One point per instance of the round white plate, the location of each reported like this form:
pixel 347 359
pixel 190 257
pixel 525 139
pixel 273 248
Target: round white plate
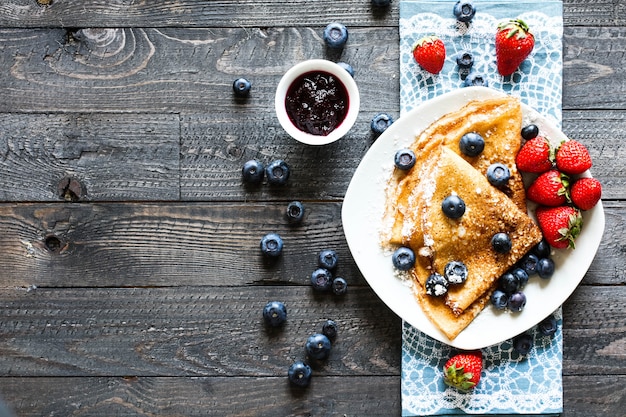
pixel 362 214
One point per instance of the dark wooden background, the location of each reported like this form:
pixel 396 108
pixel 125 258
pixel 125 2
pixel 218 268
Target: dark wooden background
pixel 140 291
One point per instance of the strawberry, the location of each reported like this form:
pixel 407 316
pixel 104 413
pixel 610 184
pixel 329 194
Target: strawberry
pixel 560 225
pixel 550 189
pixel 572 157
pixel 462 371
pixel 586 193
pixel 430 53
pixel 535 155
pixel 514 43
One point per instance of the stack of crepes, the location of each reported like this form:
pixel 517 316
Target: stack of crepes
pixel 416 220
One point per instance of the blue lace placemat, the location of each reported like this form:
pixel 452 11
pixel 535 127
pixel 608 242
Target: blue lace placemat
pixel 511 384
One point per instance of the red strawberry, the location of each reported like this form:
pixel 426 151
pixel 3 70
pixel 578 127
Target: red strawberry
pixel 572 157
pixel 560 225
pixel 550 189
pixel 535 156
pixel 462 371
pixel 586 193
pixel 514 43
pixel 430 53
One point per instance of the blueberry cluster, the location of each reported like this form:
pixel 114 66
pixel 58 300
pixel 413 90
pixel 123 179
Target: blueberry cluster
pixel 317 348
pixel 276 172
pixel 524 342
pixel 509 295
pixel 323 278
pixel 464 11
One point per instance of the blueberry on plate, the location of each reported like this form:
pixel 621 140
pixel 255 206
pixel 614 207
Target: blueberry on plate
pixel 299 374
pixel 508 283
pixel 530 131
pixel 542 249
pixel 548 326
pixel 465 60
pixel 436 285
pixel 453 206
pixel 545 268
pixel 471 144
pixel 277 172
pixel 347 67
pixel 335 35
pixel 295 212
pixel 523 343
pixel 498 175
pixel 475 79
pixel 321 279
pixel 501 243
pixel 455 272
pixel 327 259
pixel 318 346
pixel 380 123
pixel 404 159
pixel 529 263
pixel 522 276
pixel 330 329
pixel 253 171
pixel 517 301
pixel 499 299
pixel 241 87
pixel 464 11
pixel 272 245
pixel 339 286
pixel 403 258
pixel 275 313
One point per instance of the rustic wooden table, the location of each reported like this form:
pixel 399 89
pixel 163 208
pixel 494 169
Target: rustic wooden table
pixel 132 282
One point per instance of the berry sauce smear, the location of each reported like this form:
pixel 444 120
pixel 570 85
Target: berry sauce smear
pixel 317 103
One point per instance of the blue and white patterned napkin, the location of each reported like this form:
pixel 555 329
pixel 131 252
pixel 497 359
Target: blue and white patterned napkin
pixel 511 384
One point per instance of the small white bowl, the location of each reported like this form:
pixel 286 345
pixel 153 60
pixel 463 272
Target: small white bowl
pixel 317 65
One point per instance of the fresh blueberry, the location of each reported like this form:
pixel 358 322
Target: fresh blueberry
pixel 464 11
pixel 471 144
pixel 277 172
pixel 522 276
pixel 347 67
pixel 542 249
pixel 272 245
pixel 436 285
pixel 517 301
pixel 275 313
pixel 299 374
pixel 318 346
pixel 548 326
pixel 475 79
pixel 453 206
pixel 404 159
pixel 523 343
pixel 529 263
pixel 501 243
pixel 339 286
pixel 499 299
pixel 508 283
pixel 330 329
pixel 498 175
pixel 295 212
pixel 241 87
pixel 455 272
pixel 321 279
pixel 465 60
pixel 403 258
pixel 545 268
pixel 327 259
pixel 253 171
pixel 530 131
pixel 380 123
pixel 335 35
pixel 381 3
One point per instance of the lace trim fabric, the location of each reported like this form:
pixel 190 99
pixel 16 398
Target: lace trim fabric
pixel 510 384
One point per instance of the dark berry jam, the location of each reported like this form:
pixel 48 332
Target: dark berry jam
pixel 317 102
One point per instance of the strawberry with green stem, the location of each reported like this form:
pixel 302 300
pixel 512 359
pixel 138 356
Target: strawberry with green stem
pixel 462 371
pixel 430 53
pixel 514 42
pixel 560 225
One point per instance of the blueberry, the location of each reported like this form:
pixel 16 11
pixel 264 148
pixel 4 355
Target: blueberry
pixel 465 60
pixel 404 159
pixel 499 299
pixel 530 131
pixel 330 329
pixel 453 206
pixel 347 67
pixel 253 171
pixel 501 243
pixel 381 3
pixel 498 175
pixel 464 11
pixel 529 263
pixel 523 343
pixel 321 279
pixel 339 286
pixel 275 313
pixel 277 172
pixel 455 272
pixel 318 346
pixel 517 301
pixel 545 268
pixel 475 79
pixel 403 258
pixel 380 123
pixel 241 87
pixel 327 259
pixel 295 212
pixel 436 285
pixel 508 283
pixel 299 374
pixel 548 326
pixel 542 249
pixel 471 144
pixel 522 276
pixel 272 245
pixel 335 35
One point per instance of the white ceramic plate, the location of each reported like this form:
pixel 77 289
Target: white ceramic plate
pixel 362 213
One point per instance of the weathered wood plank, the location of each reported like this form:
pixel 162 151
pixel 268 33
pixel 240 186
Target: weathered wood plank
pixel 131 245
